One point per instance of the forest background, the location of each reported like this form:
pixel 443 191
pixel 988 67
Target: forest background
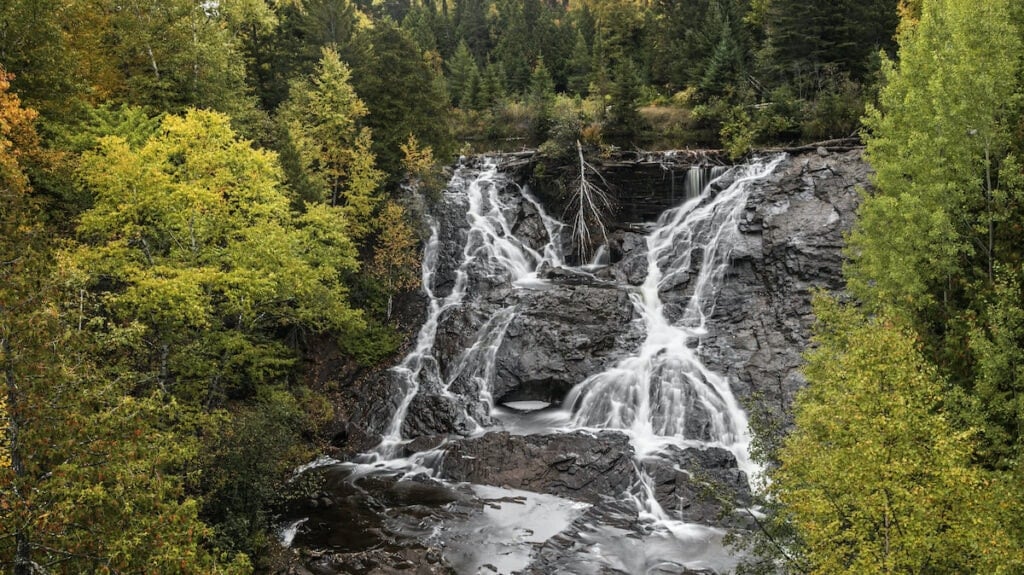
pixel 202 201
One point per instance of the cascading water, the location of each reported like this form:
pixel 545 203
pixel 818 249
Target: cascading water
pixel 492 250
pixel 698 178
pixel 664 393
pixel 657 391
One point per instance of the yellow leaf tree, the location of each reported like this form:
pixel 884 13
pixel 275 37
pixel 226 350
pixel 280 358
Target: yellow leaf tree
pixel 875 478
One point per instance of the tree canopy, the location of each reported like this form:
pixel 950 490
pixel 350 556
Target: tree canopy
pixel 200 201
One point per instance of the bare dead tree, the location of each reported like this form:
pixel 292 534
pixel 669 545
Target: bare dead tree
pixel 590 206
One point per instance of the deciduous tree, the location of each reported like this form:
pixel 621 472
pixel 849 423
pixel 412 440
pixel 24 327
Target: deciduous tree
pixel 875 478
pixel 193 260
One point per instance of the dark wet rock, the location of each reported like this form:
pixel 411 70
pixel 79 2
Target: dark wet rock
pixel 413 561
pixel 629 254
pixel 577 465
pixel 560 336
pixel 536 343
pixel 377 523
pixel 699 485
pixel 424 443
pixel 568 277
pixel 568 551
pixel 793 237
pixel 432 414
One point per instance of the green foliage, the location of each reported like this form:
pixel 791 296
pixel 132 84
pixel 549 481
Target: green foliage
pixel 421 169
pixel 248 460
pixel 329 152
pixel 571 122
pixel 540 98
pixel 462 69
pixel 371 345
pixel 875 478
pixel 579 66
pixel 423 24
pixel 194 259
pixel 805 36
pixel 132 123
pixel 941 114
pixel 997 344
pixel 404 94
pixel 396 261
pixel 91 478
pixel 34 47
pixel 622 117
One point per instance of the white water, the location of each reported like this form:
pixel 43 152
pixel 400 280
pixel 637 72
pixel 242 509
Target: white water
pixel 287 532
pixel 500 255
pixel 657 392
pixel 698 178
pixel 661 395
pixel 507 532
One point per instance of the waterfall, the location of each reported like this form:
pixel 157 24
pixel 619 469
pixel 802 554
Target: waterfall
pixel 494 257
pixel 698 178
pixel 664 393
pixel 661 394
pixel 491 250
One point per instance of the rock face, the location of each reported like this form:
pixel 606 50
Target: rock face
pixel 688 483
pixel 497 342
pixel 579 465
pixel 558 338
pixel 793 237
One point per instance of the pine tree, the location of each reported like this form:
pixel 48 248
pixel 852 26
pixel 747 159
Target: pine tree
pixel 332 151
pixel 579 67
pixel 492 86
pixel 623 117
pixel 404 95
pixel 461 69
pixel 540 98
pixel 807 36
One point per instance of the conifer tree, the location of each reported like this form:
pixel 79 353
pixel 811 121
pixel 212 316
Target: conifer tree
pixel 579 66
pixel 323 118
pixel 461 68
pixel 403 91
pixel 540 97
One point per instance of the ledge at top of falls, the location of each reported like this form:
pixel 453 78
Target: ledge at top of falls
pixel 644 183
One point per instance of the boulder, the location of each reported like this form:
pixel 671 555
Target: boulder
pixel 578 465
pixel 699 485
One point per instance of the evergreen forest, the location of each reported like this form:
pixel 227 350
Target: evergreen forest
pixel 211 215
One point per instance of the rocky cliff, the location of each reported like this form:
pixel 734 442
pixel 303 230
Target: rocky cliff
pixel 499 343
